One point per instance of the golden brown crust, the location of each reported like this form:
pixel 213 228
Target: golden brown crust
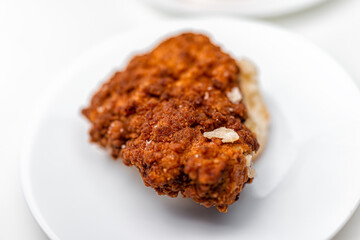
pixel 154 113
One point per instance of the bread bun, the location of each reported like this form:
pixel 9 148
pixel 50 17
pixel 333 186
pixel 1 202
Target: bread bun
pixel 258 116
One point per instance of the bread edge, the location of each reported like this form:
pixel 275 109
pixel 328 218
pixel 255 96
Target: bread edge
pixel 258 116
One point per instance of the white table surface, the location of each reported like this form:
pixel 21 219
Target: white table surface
pixel 39 38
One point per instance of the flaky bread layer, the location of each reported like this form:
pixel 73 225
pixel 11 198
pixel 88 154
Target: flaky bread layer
pixel 259 119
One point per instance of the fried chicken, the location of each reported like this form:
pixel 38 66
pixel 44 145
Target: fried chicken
pixel 155 114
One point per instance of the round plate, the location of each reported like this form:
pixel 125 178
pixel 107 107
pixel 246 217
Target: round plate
pixel 307 183
pixel 253 8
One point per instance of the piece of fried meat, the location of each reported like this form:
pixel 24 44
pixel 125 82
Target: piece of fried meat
pixel 178 115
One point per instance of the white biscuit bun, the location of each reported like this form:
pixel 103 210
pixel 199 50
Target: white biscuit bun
pixel 258 116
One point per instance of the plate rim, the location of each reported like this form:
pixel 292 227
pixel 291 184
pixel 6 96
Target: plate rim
pixel 175 7
pixel 45 99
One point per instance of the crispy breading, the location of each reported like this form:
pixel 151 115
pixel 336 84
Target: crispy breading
pixel 153 115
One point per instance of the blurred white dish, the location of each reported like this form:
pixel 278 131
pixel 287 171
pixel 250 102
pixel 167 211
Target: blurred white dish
pixel 253 8
pixel 307 183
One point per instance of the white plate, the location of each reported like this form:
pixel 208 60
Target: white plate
pixel 253 8
pixel 307 183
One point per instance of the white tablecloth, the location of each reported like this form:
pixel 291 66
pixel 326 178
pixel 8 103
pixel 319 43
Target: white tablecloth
pixel 39 38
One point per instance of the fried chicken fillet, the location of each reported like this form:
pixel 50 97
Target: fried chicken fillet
pixel 178 115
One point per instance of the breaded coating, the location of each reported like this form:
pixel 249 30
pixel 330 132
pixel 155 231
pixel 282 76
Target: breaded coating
pixel 154 113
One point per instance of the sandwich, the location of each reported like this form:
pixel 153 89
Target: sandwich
pixel 188 116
